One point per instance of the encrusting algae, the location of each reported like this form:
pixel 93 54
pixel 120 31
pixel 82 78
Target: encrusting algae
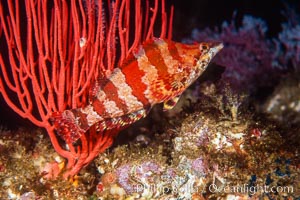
pixel 206 155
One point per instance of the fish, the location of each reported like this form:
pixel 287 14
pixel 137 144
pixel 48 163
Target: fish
pixel 158 71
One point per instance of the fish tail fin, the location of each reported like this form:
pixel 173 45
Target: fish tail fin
pixel 68 125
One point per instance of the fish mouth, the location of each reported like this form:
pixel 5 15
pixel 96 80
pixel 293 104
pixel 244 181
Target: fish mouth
pixel 219 46
pixel 216 47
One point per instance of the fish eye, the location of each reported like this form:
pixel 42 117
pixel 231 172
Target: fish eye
pixel 204 47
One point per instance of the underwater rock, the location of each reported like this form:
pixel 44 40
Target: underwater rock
pixel 284 103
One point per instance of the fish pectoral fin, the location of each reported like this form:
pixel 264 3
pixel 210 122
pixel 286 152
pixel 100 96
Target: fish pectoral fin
pixel 168 105
pixel 177 85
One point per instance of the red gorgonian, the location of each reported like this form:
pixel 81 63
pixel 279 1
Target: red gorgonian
pixel 51 52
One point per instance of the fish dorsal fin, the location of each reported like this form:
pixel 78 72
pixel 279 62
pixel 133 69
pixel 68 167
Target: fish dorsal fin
pixel 96 87
pixel 127 61
pixel 148 44
pixel 169 104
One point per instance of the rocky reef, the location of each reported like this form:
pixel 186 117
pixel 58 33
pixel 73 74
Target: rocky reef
pixel 214 148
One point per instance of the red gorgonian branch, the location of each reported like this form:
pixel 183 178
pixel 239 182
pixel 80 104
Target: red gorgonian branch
pixel 51 52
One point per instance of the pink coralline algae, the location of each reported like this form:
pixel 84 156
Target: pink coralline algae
pixel 123 174
pixel 199 166
pixel 246 54
pixel 288 42
pixel 150 178
pixel 135 178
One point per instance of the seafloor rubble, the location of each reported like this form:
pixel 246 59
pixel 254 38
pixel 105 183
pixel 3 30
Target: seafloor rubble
pixel 213 146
